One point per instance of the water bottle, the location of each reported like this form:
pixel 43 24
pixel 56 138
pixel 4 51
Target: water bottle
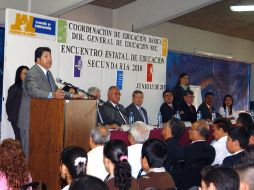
pixel 131 118
pixel 177 115
pixel 213 116
pixel 225 113
pixel 159 119
pixel 199 116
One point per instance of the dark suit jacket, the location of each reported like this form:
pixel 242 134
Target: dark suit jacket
pixel 178 93
pixel 234 159
pixel 111 184
pixel 137 116
pixel 192 153
pixel 175 152
pixel 190 113
pixel 159 180
pixel 167 112
pixel 111 115
pixel 206 114
pixel 13 103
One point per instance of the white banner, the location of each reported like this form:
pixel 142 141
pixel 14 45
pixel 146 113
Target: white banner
pixel 88 55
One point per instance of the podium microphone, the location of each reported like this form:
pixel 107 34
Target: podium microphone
pixel 58 80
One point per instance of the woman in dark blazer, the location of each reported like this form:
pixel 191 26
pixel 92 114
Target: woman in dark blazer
pixel 14 99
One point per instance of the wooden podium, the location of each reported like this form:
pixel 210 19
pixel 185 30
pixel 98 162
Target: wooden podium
pixel 55 124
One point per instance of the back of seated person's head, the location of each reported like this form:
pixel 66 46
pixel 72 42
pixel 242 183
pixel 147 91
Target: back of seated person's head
pixel 116 163
pixel 219 178
pixel 13 163
pixel 153 154
pixel 138 133
pixel 173 128
pixel 245 169
pixel 244 120
pixel 221 127
pixel 199 131
pixel 73 163
pixel 238 139
pixel 99 136
pixel 88 183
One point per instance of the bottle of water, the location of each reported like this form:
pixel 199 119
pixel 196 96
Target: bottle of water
pixel 213 116
pixel 159 119
pixel 177 115
pixel 199 116
pixel 131 118
pixel 225 113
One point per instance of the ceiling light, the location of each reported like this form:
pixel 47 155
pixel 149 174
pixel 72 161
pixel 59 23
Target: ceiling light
pixel 241 8
pixel 209 54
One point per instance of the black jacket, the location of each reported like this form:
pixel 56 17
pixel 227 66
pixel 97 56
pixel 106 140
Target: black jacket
pixel 137 115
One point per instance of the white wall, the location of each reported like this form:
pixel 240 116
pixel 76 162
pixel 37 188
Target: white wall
pixel 186 39
pixel 91 14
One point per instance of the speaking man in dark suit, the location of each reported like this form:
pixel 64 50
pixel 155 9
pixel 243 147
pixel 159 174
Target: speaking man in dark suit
pixel 112 112
pixel 136 108
pixel 207 108
pixel 38 83
pixel 167 110
pixel 188 111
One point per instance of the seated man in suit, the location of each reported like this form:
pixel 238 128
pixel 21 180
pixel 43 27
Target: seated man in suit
pixel 188 111
pixel 112 112
pixel 167 110
pixel 220 133
pixel 136 108
pixel 237 142
pixel 171 133
pixel 197 155
pixel 153 156
pixel 207 108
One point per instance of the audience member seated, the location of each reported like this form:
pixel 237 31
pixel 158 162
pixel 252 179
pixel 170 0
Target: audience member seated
pixel 167 109
pixel 197 155
pixel 227 108
pixel 116 163
pixel 188 111
pixel 245 169
pixel 251 140
pixel 69 89
pixel 112 112
pixel 153 156
pixel 13 168
pixel 237 142
pixel 180 89
pixel 207 108
pixel 172 131
pixel 138 134
pixel 220 178
pixel 73 165
pixel 95 166
pixel 88 183
pixel 244 120
pixel 220 133
pixel 136 108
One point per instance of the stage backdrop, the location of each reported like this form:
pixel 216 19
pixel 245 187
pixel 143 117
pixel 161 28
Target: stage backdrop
pixel 87 55
pixel 216 75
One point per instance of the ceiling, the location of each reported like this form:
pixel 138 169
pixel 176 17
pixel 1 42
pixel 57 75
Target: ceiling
pixel 219 18
pixel 111 4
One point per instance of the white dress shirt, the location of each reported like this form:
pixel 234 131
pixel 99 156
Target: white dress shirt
pixel 222 113
pixel 95 166
pixel 134 155
pixel 221 150
pixel 66 187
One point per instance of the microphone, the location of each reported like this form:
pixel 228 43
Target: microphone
pixel 58 80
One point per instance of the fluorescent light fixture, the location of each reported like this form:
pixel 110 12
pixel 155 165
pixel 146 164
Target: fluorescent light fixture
pixel 242 8
pixel 217 55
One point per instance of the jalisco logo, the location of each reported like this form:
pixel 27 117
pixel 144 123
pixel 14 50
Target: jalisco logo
pixel 23 25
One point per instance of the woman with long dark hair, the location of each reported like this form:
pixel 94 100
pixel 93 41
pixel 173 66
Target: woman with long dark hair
pixel 227 110
pixel 14 99
pixel 180 89
pixel 13 168
pixel 117 165
pixel 73 165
